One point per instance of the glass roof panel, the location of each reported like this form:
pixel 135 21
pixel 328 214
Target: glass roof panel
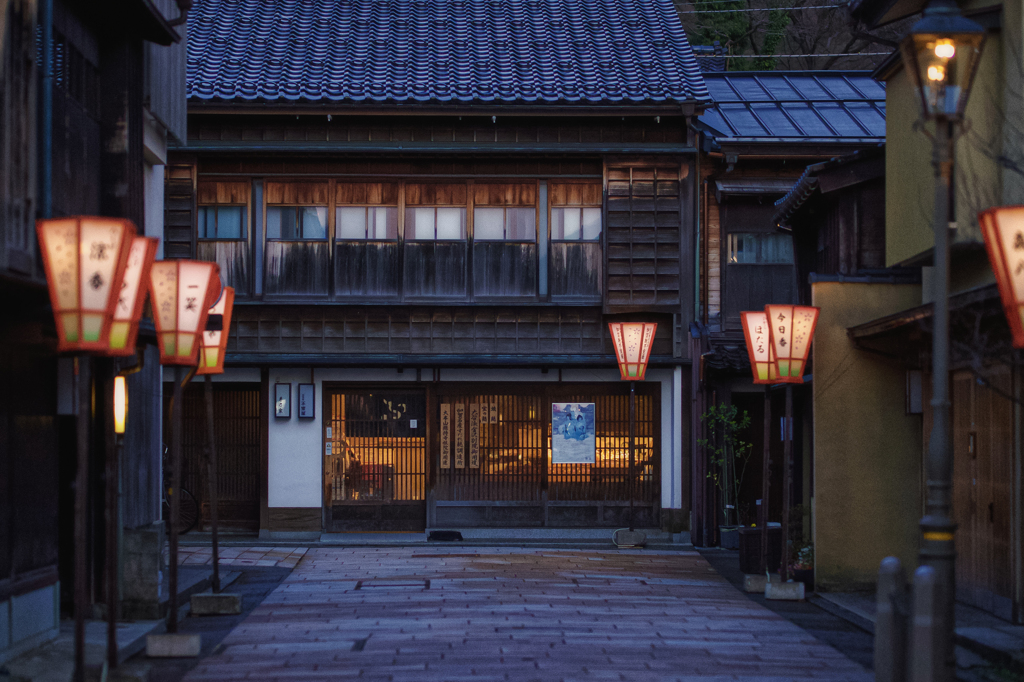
pixel 839 119
pixel 809 88
pixel 868 117
pixel 713 118
pixel 838 86
pixel 777 123
pixel 869 86
pixel 720 90
pixel 749 89
pixel 779 88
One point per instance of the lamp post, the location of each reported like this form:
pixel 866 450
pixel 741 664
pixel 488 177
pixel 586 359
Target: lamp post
pixel 182 292
pixel 762 365
pixel 632 341
pixel 211 361
pixel 791 328
pixel 85 259
pixel 941 56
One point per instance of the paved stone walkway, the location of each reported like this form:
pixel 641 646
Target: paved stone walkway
pixel 423 614
pixel 282 557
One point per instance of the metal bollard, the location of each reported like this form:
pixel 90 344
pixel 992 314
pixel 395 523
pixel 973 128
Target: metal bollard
pixel 891 622
pixel 924 659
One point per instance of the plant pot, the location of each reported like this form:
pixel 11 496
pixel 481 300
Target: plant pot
pixel 805 576
pixel 750 549
pixel 729 537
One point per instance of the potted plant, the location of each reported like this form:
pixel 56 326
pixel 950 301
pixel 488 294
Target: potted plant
pixel 803 567
pixel 728 455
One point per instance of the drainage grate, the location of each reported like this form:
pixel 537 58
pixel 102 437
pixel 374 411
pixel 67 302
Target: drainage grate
pixel 393 584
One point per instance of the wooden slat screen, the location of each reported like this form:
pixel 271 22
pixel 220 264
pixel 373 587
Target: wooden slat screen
pixel 179 210
pixel 642 237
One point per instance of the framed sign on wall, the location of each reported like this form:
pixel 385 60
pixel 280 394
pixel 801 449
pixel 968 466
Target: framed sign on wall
pixel 283 401
pixel 307 401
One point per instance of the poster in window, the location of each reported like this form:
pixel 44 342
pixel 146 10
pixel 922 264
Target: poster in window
pixel 573 434
pixel 460 435
pixel 474 436
pixel 307 404
pixel 446 436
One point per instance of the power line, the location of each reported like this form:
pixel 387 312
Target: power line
pixel 758 9
pixel 794 56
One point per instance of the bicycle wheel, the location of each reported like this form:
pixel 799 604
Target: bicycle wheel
pixel 188 512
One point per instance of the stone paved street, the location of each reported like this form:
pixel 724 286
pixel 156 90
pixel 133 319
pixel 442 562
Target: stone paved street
pixel 515 614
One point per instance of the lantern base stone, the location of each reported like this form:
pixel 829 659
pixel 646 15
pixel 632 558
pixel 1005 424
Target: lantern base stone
pixel 629 538
pixel 756 583
pixel 220 604
pixel 790 591
pixel 175 646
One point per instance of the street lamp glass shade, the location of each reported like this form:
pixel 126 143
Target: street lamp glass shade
pixel 1003 229
pixel 941 55
pixel 759 347
pixel 120 404
pixel 215 338
pixel 125 326
pixel 792 330
pixel 182 292
pixel 632 341
pixel 85 259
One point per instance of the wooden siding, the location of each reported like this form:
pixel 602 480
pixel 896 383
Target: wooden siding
pixel 211 192
pixel 297 193
pixel 435 269
pixel 643 238
pixel 180 210
pixel 505 194
pixel 297 268
pixel 141 491
pixel 367 193
pixel 402 329
pixel 368 269
pixel 356 167
pixel 504 269
pixel 165 86
pixel 436 194
pixel 18 137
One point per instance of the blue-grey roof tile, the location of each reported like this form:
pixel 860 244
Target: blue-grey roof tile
pixel 434 51
pixel 771 106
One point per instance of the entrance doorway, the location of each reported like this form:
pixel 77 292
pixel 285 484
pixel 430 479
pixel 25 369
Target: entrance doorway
pixel 375 472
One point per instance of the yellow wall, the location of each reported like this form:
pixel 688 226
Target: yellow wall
pixel 867 450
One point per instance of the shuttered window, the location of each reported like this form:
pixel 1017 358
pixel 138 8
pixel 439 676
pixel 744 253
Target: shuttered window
pixel 297 251
pixel 366 240
pixel 575 256
pixel 223 232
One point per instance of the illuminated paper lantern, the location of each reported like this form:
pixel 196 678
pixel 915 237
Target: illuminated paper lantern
pixel 85 259
pixel 792 329
pixel 182 293
pixel 633 341
pixel 1003 229
pixel 759 346
pixel 215 338
pixel 124 328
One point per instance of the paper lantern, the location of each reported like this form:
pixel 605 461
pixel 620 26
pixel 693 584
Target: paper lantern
pixel 1003 229
pixel 182 292
pixel 759 346
pixel 633 341
pixel 120 404
pixel 124 328
pixel 792 329
pixel 85 259
pixel 215 338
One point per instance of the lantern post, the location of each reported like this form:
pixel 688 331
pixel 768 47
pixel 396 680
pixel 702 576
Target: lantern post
pixel 941 55
pixel 182 292
pixel 762 365
pixel 85 258
pixel 792 329
pixel 211 361
pixel 632 341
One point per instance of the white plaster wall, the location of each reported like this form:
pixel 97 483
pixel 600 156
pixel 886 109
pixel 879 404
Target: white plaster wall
pixel 294 458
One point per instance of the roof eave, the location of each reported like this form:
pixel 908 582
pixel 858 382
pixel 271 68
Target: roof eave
pixel 292 108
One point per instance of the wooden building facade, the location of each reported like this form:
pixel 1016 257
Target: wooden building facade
pixel 418 283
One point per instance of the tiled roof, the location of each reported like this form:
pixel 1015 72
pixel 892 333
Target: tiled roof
pixel 833 106
pixel 710 58
pixel 437 51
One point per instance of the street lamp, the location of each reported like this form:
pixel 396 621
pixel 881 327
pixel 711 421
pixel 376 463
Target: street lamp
pixel 1003 229
pixel 632 341
pixel 941 56
pixel 182 291
pixel 211 361
pixel 85 258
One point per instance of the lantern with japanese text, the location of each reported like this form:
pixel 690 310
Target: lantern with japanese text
pixel 124 328
pixel 632 341
pixel 85 259
pixel 1003 229
pixel 182 292
pixel 759 347
pixel 215 338
pixel 792 329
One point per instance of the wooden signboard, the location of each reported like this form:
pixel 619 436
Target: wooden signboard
pixel 474 436
pixel 494 410
pixel 446 436
pixel 460 435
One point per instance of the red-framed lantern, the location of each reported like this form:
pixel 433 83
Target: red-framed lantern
pixel 182 292
pixel 1003 229
pixel 85 258
pixel 215 337
pixel 124 328
pixel 759 346
pixel 632 341
pixel 792 330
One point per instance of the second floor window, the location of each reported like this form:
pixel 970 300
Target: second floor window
pixel 370 223
pixel 573 224
pixel 756 248
pixel 222 222
pixel 439 223
pixel 505 224
pixel 297 223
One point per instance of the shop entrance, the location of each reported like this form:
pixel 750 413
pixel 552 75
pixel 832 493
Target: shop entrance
pixel 375 468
